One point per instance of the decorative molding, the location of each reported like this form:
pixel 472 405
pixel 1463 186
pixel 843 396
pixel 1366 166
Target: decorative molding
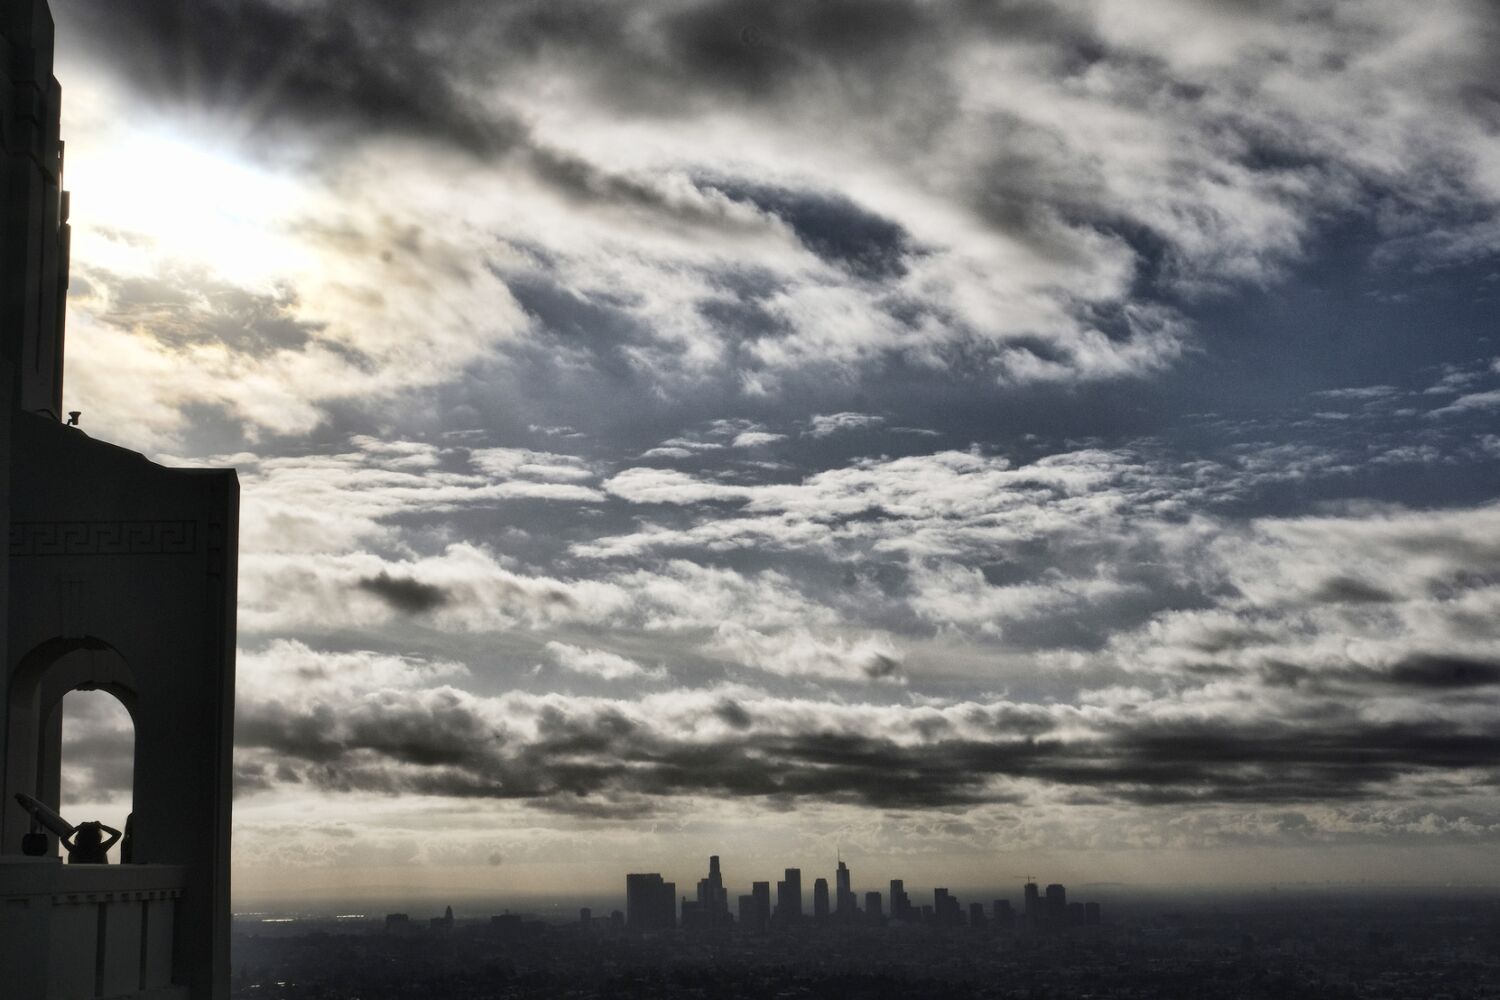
pixel 103 538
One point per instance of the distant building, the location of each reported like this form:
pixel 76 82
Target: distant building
pixel 976 915
pixel 789 897
pixel 1055 910
pixel 713 898
pixel 820 899
pixel 444 922
pixel 844 903
pixel 900 902
pixel 873 911
pixel 650 902
pixel 1032 907
pixel 1003 914
pixel 945 908
pixel 585 916
pixel 397 921
pixel 762 893
pixel 1091 917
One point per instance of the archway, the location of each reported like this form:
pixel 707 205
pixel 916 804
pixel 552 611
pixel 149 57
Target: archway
pixel 34 745
pixel 97 760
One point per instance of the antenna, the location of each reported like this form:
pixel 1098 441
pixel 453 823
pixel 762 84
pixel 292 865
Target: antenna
pixel 1029 878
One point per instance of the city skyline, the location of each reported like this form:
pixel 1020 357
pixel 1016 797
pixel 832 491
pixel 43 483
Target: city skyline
pixel 652 904
pixel 1029 439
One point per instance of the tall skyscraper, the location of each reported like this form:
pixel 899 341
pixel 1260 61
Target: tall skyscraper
pixel 1032 908
pixel 820 899
pixel 1055 912
pixel 872 907
pixel 844 902
pixel 789 901
pixel 945 908
pixel 762 893
pixel 900 903
pixel 650 902
pixel 713 899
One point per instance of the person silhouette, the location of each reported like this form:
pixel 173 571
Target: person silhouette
pixel 88 846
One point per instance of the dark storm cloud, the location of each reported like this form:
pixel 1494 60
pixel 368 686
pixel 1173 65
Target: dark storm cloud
pixel 404 593
pixel 439 742
pixel 183 308
pixel 376 66
pixel 1446 672
pixel 1351 590
pixel 831 226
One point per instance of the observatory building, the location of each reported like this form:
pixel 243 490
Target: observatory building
pixel 116 574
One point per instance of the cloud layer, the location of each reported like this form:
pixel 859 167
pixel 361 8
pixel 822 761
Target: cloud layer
pixel 949 429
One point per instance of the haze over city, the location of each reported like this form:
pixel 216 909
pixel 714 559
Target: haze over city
pixel 973 439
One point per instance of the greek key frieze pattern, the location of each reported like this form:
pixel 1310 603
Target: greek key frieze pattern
pixel 88 538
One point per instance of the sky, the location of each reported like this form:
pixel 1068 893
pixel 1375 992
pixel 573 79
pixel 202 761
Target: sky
pixel 978 438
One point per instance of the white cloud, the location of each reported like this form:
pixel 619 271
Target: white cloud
pixel 600 663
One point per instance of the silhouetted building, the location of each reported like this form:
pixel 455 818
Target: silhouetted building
pixel 762 893
pixel 789 897
pixel 1055 910
pixel 748 912
pixel 116 574
pixel 713 898
pixel 444 922
pixel 872 907
pixel 945 908
pixel 1032 907
pixel 1003 914
pixel 820 899
pixel 844 901
pixel 1091 916
pixel 900 902
pixel 585 916
pixel 397 921
pixel 976 915
pixel 650 902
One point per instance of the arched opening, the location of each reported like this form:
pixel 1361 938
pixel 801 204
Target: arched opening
pixel 97 761
pixel 87 686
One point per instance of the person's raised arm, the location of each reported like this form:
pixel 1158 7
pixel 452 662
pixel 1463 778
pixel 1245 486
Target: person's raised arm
pixel 114 835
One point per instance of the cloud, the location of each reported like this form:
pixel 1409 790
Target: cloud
pixel 797 652
pixel 919 185
pixel 404 594
pixel 600 663
pixel 756 439
pixel 825 424
pixel 561 749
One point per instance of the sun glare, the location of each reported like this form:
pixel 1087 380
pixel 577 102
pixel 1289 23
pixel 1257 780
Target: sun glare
pixel 152 198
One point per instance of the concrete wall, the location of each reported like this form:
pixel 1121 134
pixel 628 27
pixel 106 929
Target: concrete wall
pixel 122 576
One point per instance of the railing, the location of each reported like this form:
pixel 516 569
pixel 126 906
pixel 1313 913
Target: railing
pixel 79 932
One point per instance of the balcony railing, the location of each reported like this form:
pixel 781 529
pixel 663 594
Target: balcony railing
pixel 79 932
